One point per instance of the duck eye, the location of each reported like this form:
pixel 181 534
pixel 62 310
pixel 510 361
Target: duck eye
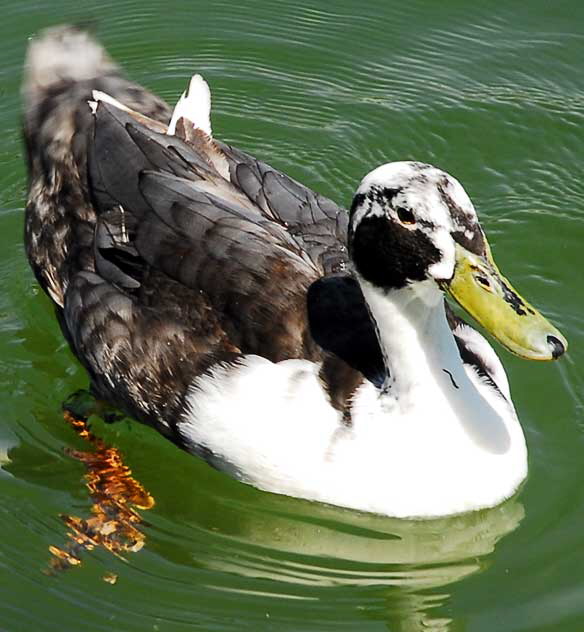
pixel 405 215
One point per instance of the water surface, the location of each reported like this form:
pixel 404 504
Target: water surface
pixel 491 92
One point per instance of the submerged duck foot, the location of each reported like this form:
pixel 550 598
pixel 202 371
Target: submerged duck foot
pixel 116 497
pixel 82 404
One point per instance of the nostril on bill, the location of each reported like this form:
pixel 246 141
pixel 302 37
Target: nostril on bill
pixel 557 346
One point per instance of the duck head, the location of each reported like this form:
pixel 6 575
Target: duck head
pixel 411 222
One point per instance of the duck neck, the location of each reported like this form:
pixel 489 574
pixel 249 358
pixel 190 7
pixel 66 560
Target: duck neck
pixel 418 347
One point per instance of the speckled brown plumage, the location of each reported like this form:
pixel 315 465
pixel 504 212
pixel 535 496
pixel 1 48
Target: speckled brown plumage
pixel 155 281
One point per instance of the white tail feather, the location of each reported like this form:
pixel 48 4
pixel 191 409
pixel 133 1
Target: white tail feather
pixel 195 106
pixel 102 96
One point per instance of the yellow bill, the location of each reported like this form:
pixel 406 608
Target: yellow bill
pixel 479 287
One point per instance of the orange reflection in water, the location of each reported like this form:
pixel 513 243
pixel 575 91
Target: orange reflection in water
pixel 116 495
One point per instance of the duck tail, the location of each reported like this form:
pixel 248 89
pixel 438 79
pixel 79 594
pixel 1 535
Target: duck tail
pixel 61 56
pixel 64 67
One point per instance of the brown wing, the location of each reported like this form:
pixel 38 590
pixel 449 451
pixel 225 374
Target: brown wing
pixel 186 223
pixel 165 255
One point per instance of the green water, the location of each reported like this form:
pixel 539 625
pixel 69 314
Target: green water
pixel 492 92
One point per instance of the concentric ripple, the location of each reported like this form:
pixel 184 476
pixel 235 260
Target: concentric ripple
pixel 493 93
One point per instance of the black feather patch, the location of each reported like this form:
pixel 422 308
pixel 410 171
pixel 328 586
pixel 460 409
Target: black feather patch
pixel 357 202
pixel 340 323
pixel 389 255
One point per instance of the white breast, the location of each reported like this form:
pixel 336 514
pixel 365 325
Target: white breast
pixel 271 425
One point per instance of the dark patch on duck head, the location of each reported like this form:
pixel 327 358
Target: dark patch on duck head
pixel 389 255
pixel 384 196
pixel 358 201
pixel 476 242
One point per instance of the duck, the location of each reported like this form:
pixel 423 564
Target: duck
pixel 302 348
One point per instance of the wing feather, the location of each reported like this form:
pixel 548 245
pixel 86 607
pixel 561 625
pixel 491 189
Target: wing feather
pixel 186 222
